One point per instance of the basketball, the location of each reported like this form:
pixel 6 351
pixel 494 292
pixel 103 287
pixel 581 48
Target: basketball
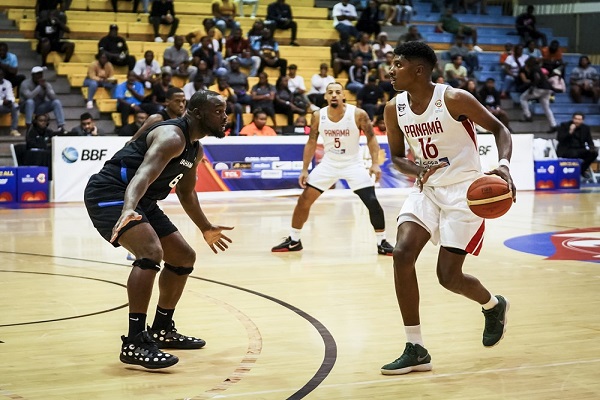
pixel 489 197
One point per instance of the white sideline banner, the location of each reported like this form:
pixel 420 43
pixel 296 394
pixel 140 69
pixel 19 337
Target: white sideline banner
pixel 521 163
pixel 76 158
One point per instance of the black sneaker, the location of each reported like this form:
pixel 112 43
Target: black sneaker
pixel 495 322
pixel 414 358
pixel 142 350
pixel 385 248
pixel 287 245
pixel 171 339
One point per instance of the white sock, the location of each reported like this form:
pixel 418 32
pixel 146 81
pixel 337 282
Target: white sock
pixel 413 334
pixel 490 304
pixel 295 234
pixel 380 237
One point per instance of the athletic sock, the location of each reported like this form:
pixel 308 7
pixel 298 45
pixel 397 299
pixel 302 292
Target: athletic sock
pixel 413 334
pixel 295 234
pixel 162 319
pixel 137 324
pixel 380 237
pixel 490 304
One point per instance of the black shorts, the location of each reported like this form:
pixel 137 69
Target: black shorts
pixel 59 47
pixel 104 203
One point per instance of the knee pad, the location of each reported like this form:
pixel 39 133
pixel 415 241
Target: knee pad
pixel 368 197
pixel 454 250
pixel 179 270
pixel 146 263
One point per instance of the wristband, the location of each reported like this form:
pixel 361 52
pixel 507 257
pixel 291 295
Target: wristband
pixel 504 162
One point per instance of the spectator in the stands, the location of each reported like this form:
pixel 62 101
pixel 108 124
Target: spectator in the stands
pixel 38 135
pixel 344 14
pixel 536 87
pixel 267 49
pixel 532 50
pixel 363 49
pixel 9 64
pixel 412 35
pixel 8 104
pixel 240 5
pixel 455 73
pixel 205 52
pixel 175 56
pixel 130 129
pixel 508 50
pixel 100 74
pixel 256 31
pixel 116 48
pixel 388 11
pixel 298 88
pixel 471 87
pixel 471 5
pixel 357 75
pixel 512 66
pixel 136 4
pixel 552 57
pixel 449 23
pixel 279 16
pixel 158 97
pixel 232 106
pixel 318 86
pixel 258 126
pixel 147 70
pixel 371 98
pixel 239 83
pixel 585 81
pixel 379 128
pixel 37 97
pixel 369 19
pixel 489 96
pixel 381 47
pixel 404 12
pixel 284 100
pixel 301 122
pixel 383 72
pixel 224 12
pixel 525 24
pixel 86 127
pixel 163 13
pixel 208 29
pixel 575 141
pixel 205 74
pixel 341 55
pixel 239 47
pixel 43 8
pixel 470 57
pixel 263 95
pixel 49 33
pixel 129 96
pixel 193 86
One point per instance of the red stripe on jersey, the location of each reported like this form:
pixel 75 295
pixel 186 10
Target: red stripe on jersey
pixel 476 242
pixel 470 130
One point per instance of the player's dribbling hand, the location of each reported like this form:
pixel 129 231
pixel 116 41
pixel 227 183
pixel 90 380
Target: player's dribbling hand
pixel 504 173
pixel 303 179
pixel 125 218
pixel 375 171
pixel 216 239
pixel 428 172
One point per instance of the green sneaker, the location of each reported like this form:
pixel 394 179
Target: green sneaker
pixel 414 358
pixel 495 322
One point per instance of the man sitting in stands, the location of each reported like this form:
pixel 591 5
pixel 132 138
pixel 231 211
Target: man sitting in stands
pixel 49 33
pixel 585 81
pixel 8 104
pixel 575 141
pixel 86 126
pixel 258 126
pixel 116 48
pixel 163 13
pixel 449 23
pixel 38 97
pixel 279 16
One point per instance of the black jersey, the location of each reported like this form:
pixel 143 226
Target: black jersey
pixel 121 168
pixel 164 114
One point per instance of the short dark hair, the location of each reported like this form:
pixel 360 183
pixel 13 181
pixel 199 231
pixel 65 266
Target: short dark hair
pixel 579 113
pixel 172 91
pixel 258 111
pixel 417 51
pixel 84 116
pixel 490 80
pixel 200 98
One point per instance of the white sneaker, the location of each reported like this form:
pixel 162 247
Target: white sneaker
pixel 170 39
pixel 89 105
pixel 15 133
pixel 477 49
pixel 158 39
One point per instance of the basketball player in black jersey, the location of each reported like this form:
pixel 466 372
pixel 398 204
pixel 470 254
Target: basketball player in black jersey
pixel 122 202
pixel 174 108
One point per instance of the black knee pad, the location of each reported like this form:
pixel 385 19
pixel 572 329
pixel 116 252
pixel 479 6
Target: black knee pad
pixel 146 263
pixel 368 197
pixel 179 270
pixel 454 250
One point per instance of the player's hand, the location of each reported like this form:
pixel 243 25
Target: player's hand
pixel 126 217
pixel 428 172
pixel 375 170
pixel 216 239
pixel 504 173
pixel 303 179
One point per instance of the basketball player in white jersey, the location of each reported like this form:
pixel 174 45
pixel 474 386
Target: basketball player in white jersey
pixel 438 124
pixel 340 125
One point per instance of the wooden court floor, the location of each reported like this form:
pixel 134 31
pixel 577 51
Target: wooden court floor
pixel 316 324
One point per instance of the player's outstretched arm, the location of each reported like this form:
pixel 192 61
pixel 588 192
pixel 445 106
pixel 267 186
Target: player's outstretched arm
pixel 364 124
pixel 309 149
pixel 186 192
pixel 462 104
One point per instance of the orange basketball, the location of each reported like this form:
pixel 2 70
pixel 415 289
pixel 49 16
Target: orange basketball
pixel 489 197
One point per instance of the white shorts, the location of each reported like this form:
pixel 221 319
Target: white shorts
pixel 329 172
pixel 444 213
